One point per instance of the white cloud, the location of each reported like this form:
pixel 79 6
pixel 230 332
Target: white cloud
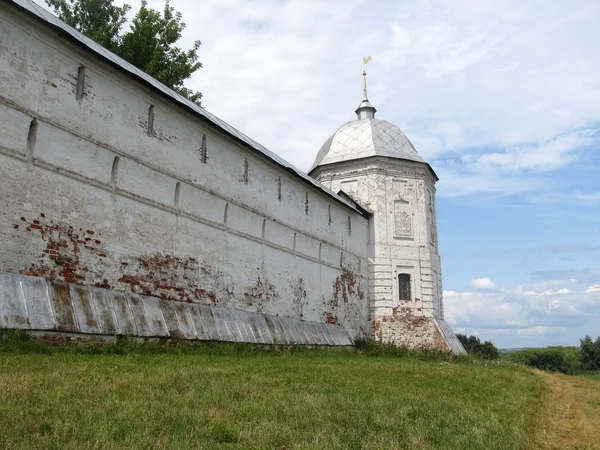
pixel 482 283
pixel 521 317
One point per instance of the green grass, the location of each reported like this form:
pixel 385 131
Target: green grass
pixel 221 397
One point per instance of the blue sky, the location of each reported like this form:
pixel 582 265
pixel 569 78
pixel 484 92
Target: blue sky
pixel 502 98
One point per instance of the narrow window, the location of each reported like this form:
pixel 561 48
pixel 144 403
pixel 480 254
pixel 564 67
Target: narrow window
pixel 295 234
pixel 329 221
pixel 306 203
pixel 225 214
pixel 80 83
pixel 341 259
pixel 245 170
pixel 114 171
pixel 31 138
pixel 404 287
pixel 177 190
pixel 151 121
pixel 264 228
pixel 349 226
pixel 279 188
pixel 320 249
pixel 204 150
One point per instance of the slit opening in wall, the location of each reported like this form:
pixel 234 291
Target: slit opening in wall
pixel 264 228
pixel 245 170
pixel 31 138
pixel 341 259
pixel 177 190
pixel 114 171
pixel 279 188
pixel 320 249
pixel 151 121
pixel 306 203
pixel 80 83
pixel 349 226
pixel 295 234
pixel 329 212
pixel 203 150
pixel 225 213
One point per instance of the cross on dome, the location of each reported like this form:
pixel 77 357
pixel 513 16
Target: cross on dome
pixel 365 110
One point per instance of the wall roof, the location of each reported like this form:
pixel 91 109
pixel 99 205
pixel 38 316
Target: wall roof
pixel 53 22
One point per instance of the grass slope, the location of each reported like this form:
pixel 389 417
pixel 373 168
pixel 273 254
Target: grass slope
pixel 570 418
pixel 270 400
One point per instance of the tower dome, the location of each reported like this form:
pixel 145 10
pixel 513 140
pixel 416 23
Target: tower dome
pixel 364 137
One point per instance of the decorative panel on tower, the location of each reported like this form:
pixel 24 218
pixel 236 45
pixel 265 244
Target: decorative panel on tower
pixel 402 219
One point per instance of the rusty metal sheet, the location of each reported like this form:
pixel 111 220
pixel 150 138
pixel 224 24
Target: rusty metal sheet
pixel 272 329
pixel 288 328
pixel 325 333
pixel 309 332
pixel 317 334
pixel 298 328
pixel 142 323
pixel 338 335
pixel 220 325
pixel 171 319
pixel 182 310
pixel 63 308
pixel 83 309
pixel 332 334
pixel 277 328
pixel 302 331
pixel 203 322
pixel 231 324
pixel 242 320
pixel 13 313
pixel 168 312
pixel 449 337
pixel 37 301
pixel 125 320
pixel 73 308
pixel 210 321
pixel 155 316
pixel 105 310
pixel 259 328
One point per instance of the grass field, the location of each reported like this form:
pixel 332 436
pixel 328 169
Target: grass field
pixel 270 400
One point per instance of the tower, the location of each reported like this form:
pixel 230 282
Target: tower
pixel 374 163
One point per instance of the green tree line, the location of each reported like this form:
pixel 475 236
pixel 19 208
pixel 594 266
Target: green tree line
pixel 473 346
pixel 568 360
pixel 148 43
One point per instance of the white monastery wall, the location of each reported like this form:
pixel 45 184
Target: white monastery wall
pixel 109 184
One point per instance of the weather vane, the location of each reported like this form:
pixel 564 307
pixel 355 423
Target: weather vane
pixel 366 59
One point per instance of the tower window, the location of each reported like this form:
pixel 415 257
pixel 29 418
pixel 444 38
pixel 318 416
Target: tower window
pixel 404 286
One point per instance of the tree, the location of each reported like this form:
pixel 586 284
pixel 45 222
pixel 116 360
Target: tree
pixel 473 346
pixel 590 353
pixel 149 44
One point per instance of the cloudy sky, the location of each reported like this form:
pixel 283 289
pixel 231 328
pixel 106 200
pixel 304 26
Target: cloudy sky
pixel 502 98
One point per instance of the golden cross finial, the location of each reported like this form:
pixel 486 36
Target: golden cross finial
pixel 366 59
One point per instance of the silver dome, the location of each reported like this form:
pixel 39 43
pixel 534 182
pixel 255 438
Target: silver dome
pixel 363 138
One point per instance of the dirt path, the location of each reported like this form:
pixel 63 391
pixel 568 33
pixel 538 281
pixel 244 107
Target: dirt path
pixel 571 415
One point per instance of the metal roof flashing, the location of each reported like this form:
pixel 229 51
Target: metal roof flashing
pixel 65 30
